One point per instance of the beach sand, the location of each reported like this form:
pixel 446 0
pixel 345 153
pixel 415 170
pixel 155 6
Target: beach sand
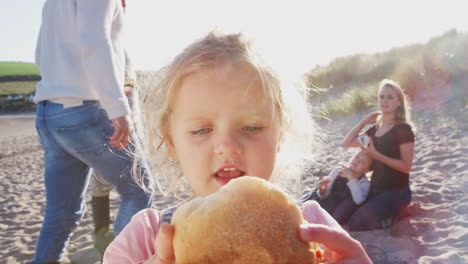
pixel 434 229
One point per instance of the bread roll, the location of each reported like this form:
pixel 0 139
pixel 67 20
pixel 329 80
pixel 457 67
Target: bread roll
pixel 249 220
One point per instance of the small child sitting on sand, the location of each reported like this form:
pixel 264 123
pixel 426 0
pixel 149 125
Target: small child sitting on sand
pixel 344 189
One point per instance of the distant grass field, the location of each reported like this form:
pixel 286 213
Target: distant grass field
pixel 7 88
pixel 18 68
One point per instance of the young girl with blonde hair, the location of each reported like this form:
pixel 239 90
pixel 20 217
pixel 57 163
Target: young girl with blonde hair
pixel 217 113
pixel 392 148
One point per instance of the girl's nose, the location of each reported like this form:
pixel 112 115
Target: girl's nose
pixel 228 145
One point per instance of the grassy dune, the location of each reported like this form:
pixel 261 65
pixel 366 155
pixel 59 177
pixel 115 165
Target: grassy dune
pixel 349 84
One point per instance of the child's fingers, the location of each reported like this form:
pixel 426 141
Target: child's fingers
pixel 317 215
pixel 343 246
pixel 164 247
pixel 331 237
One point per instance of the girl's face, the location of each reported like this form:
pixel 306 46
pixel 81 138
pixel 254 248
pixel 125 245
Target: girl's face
pixel 222 126
pixel 388 100
pixel 361 163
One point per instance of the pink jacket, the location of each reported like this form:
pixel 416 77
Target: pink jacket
pixel 135 244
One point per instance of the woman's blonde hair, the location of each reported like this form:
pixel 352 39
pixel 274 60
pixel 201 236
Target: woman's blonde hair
pixel 403 114
pixel 301 137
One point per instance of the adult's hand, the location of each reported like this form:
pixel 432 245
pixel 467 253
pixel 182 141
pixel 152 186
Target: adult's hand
pixel 164 247
pixel 351 139
pixel 371 118
pixel 339 246
pixel 370 149
pixel 122 133
pixel 402 164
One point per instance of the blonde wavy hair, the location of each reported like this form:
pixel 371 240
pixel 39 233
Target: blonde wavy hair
pixel 403 112
pixel 301 136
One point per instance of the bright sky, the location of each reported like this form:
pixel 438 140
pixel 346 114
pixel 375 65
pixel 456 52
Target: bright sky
pixel 297 34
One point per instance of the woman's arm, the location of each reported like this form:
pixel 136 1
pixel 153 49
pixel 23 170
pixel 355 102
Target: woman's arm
pixel 350 140
pixel 403 164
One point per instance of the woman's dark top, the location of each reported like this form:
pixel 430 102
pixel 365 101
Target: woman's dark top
pixel 383 177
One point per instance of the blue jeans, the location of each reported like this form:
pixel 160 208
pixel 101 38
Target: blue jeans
pixel 379 207
pixel 344 211
pixel 341 212
pixel 75 140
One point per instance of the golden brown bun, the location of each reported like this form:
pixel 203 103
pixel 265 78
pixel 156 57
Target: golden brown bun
pixel 248 221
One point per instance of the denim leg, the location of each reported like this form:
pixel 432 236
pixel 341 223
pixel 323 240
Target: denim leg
pixel 344 211
pixel 74 140
pixel 115 166
pixel 129 205
pixel 66 179
pixel 380 207
pixel 88 141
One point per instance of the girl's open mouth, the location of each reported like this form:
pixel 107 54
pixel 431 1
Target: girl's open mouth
pixel 224 175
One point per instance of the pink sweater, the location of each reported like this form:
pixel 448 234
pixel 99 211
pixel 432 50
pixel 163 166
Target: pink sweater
pixel 135 244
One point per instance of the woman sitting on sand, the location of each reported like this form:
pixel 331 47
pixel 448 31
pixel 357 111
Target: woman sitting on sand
pixel 391 147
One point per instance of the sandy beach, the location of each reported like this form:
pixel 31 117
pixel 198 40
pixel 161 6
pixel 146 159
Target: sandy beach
pixel 434 229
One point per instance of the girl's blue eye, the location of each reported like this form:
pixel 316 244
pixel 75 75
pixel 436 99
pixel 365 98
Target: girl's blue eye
pixel 202 131
pixel 251 128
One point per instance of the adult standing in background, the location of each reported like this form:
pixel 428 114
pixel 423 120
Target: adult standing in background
pixel 391 145
pixel 81 116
